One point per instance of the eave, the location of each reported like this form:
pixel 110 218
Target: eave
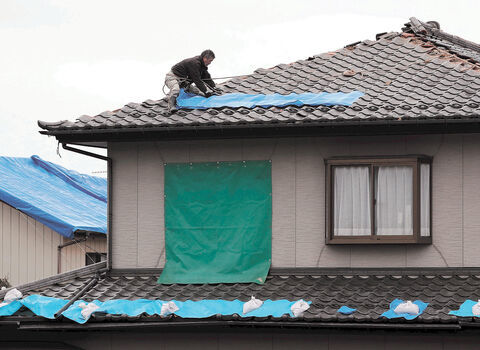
pixel 98 137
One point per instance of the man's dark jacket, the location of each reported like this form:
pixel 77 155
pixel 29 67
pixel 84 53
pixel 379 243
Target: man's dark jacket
pixel 193 70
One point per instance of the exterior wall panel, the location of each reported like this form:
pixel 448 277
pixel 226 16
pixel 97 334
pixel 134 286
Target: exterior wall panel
pixel 471 200
pixel 125 205
pixel 283 204
pixel 447 183
pixel 150 207
pixel 298 198
pixel 39 242
pixel 29 248
pixel 22 249
pixel 309 194
pixel 7 238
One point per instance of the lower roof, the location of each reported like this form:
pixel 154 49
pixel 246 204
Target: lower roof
pixel 370 291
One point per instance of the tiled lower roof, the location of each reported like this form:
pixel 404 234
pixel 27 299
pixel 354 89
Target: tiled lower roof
pixel 370 292
pixel 405 76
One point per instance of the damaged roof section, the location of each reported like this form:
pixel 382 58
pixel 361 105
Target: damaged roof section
pixel 431 31
pixel 420 74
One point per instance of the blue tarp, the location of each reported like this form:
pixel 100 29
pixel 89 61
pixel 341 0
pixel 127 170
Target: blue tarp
pixel 47 307
pixel 62 199
pixel 10 309
pixel 235 100
pixel 187 309
pixel 346 310
pixel 43 306
pixel 393 305
pixel 465 309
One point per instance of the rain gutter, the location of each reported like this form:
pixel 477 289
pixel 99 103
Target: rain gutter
pixel 247 324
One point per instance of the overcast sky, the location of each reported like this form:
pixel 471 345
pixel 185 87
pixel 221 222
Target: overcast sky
pixel 61 59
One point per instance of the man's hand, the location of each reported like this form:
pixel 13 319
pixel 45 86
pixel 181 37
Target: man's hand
pixel 217 91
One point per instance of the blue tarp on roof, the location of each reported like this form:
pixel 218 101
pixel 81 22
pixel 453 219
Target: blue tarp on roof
pixel 62 199
pixel 47 307
pixel 235 100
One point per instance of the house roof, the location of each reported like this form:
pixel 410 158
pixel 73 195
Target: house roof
pixel 370 291
pixel 418 75
pixel 61 199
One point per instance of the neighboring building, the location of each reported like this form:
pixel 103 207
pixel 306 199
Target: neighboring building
pixel 369 203
pixel 52 219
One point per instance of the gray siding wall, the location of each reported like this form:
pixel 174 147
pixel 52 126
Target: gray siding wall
pixel 29 249
pixel 298 180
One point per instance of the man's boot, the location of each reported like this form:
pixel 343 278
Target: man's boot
pixel 172 104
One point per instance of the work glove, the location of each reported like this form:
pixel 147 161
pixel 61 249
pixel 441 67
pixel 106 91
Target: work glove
pixel 208 94
pixel 217 90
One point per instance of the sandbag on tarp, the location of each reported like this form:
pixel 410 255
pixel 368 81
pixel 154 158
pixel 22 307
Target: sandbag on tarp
pixel 235 100
pixel 218 222
pixel 394 304
pixel 61 199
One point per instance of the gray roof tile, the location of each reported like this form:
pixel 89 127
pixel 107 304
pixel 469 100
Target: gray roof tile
pixel 420 66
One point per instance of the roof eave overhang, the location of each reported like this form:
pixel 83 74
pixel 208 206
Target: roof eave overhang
pixel 263 130
pixel 219 324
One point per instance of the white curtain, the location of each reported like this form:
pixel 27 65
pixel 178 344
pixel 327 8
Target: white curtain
pixel 394 194
pixel 351 201
pixel 425 200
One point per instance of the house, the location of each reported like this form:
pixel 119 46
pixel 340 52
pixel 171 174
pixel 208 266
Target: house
pixel 370 203
pixel 53 219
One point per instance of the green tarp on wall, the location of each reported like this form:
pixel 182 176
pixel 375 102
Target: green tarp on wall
pixel 218 222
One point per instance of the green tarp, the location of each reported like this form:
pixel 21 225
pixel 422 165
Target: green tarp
pixel 218 222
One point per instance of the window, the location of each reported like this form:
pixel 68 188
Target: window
pixel 93 258
pixel 379 200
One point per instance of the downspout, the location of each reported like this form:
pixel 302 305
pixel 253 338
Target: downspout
pixel 109 195
pixel 59 251
pixel 78 294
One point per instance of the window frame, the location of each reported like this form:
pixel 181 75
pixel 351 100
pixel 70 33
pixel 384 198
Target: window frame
pixel 411 160
pixel 91 256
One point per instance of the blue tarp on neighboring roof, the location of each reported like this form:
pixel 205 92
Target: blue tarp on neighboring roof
pixel 235 100
pixel 62 199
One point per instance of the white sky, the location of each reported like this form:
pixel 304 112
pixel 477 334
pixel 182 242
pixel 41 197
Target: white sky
pixel 61 59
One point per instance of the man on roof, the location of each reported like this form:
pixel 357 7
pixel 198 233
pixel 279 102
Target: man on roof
pixel 191 70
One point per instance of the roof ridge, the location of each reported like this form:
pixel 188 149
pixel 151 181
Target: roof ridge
pixel 432 29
